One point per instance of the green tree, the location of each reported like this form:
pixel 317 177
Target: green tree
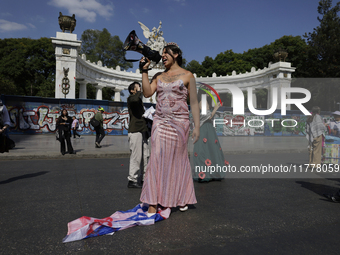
pixel 195 67
pixel 227 62
pixel 7 86
pixel 29 65
pixel 323 59
pixel 324 42
pixel 297 54
pixel 100 45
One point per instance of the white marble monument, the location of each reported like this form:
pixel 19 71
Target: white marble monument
pixel 66 52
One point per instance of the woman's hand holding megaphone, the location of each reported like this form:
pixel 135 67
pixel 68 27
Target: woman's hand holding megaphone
pixel 144 64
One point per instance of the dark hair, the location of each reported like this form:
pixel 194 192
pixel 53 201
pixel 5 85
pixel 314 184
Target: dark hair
pixel 62 112
pixel 315 111
pixel 175 50
pixel 132 86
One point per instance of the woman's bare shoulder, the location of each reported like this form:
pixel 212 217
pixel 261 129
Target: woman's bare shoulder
pixel 187 76
pixel 157 75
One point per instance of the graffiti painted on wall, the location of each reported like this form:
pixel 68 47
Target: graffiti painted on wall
pixel 38 116
pixel 42 119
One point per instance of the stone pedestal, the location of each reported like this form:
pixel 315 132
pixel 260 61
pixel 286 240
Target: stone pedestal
pixel 66 52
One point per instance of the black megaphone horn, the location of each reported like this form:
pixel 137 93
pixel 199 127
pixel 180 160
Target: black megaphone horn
pixel 133 43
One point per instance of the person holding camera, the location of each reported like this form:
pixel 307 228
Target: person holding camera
pixel 137 134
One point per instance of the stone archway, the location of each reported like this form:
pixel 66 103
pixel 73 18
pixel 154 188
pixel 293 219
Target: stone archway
pixel 83 71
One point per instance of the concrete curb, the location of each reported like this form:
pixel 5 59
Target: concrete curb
pixel 127 155
pixel 66 156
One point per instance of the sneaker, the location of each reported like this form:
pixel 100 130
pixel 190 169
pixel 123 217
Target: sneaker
pixel 98 145
pixel 135 185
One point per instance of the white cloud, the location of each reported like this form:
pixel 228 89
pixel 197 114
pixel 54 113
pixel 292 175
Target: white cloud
pixel 7 26
pixel 6 14
pixel 146 10
pixel 87 9
pixel 182 2
pixel 39 19
pixel 31 25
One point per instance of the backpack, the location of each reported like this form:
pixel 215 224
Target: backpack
pixel 95 123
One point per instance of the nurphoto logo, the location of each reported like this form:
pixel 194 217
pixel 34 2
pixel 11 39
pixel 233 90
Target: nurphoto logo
pixel 238 105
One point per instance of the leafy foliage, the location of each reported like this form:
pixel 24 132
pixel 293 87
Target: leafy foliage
pixel 227 62
pixel 324 41
pixel 27 67
pixel 100 45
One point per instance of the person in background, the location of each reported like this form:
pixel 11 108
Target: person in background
pixel 4 125
pixel 334 125
pixel 315 129
pixel 137 133
pixel 75 124
pixel 64 123
pixel 207 150
pixel 100 133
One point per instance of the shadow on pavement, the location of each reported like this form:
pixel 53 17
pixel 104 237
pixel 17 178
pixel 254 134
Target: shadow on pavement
pixel 319 189
pixel 23 177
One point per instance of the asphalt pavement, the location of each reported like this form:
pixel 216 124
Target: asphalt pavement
pixel 47 147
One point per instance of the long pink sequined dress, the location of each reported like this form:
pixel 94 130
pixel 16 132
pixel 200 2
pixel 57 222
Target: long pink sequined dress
pixel 168 179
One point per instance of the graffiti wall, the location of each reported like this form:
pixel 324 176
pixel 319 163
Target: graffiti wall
pixel 34 115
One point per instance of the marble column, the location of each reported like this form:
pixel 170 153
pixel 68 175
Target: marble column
pixel 117 95
pixel 82 88
pixel 99 91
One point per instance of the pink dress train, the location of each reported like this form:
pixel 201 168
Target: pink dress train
pixel 168 179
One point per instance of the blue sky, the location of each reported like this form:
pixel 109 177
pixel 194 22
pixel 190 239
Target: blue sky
pixel 200 28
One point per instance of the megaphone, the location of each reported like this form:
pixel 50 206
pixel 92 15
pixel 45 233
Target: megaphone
pixel 133 43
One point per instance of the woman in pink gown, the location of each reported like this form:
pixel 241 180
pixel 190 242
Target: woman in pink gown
pixel 168 181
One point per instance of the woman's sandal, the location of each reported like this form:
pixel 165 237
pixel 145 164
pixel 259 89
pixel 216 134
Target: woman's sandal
pixel 183 209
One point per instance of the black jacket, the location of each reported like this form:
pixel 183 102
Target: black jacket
pixel 68 123
pixel 136 110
